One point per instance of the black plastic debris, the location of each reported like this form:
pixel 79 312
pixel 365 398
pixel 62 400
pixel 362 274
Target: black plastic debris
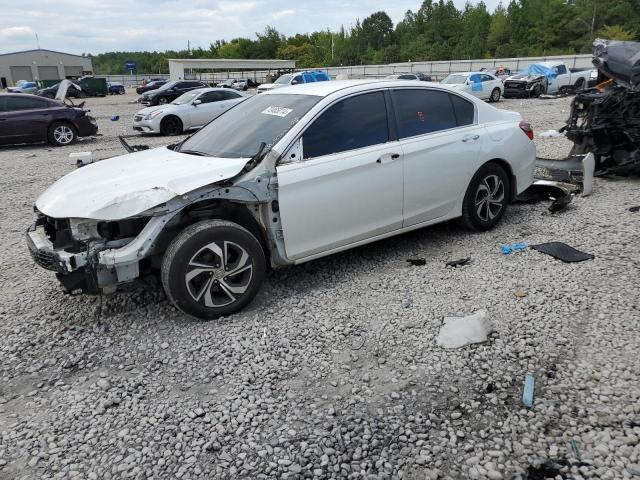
pixel 417 262
pixel 563 252
pixel 548 469
pixel 543 190
pixel 458 263
pixel 635 209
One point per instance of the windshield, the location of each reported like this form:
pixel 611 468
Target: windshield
pixel 284 79
pixel 186 97
pixel 261 118
pixel 455 79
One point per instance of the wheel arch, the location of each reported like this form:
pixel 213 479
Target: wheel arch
pixel 172 115
pixel 222 209
pixel 513 180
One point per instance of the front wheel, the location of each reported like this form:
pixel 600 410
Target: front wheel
pixel 61 134
pixel 213 268
pixel 171 125
pixel 486 198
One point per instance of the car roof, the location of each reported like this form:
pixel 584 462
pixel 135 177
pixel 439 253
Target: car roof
pixel 324 89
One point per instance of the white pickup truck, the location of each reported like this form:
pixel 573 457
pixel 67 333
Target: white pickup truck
pixel 533 82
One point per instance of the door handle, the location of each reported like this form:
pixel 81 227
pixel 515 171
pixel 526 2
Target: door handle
pixel 388 157
pixel 470 138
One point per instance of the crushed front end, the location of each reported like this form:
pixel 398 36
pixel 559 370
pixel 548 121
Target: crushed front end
pixel 81 251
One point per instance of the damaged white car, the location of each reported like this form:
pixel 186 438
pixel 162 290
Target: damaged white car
pixel 280 179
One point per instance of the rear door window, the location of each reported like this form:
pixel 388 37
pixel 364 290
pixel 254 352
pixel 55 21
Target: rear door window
pixel 25 103
pixel 352 123
pixel 423 111
pixel 465 111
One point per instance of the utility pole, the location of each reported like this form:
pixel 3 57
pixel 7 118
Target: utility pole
pixel 593 19
pixel 37 41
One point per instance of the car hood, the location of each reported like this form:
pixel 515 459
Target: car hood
pixel 124 186
pixel 524 77
pixel 148 110
pixel 270 86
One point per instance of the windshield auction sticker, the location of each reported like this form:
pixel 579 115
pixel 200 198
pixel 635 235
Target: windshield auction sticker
pixel 277 111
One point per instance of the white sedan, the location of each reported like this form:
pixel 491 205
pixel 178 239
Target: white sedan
pixel 483 85
pixel 189 111
pixel 283 178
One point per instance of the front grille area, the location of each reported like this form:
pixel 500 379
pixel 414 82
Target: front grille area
pixel 514 85
pixel 47 260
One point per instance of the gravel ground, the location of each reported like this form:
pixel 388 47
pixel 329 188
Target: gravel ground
pixel 333 372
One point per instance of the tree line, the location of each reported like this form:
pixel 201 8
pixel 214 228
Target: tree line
pixel 437 30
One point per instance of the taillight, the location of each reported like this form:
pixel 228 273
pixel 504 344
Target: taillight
pixel 526 128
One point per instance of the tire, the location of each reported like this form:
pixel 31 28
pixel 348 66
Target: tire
pixel 171 125
pixel 495 95
pixel 486 198
pixel 163 100
pixel 579 85
pixel 61 134
pixel 194 270
pixel 537 91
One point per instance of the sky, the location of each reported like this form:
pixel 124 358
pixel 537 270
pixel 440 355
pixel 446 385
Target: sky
pixel 96 26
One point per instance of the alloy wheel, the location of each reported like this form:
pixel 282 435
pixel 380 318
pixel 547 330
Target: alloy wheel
pixel 63 134
pixel 489 199
pixel 162 100
pixel 219 274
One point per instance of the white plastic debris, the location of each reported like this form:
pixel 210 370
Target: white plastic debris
pixel 457 332
pixel 81 158
pixel 588 168
pixel 550 133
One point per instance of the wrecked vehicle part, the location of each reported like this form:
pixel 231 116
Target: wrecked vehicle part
pixel 618 60
pixel 575 172
pixel 131 148
pixel 533 81
pixel 607 123
pixel 541 190
pixel 606 120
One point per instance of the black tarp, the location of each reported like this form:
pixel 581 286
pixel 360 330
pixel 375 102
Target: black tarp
pixel 618 60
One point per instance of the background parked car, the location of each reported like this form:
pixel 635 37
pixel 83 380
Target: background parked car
pixel 169 92
pixel 24 87
pixel 546 78
pixel 189 111
pixel 410 76
pixel 153 85
pixel 295 79
pixel 116 88
pixel 228 83
pixel 74 91
pixel 27 118
pixel 483 85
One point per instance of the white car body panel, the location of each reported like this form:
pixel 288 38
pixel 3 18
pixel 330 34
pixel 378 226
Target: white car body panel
pixel 192 116
pixel 127 185
pixel 486 89
pixel 331 201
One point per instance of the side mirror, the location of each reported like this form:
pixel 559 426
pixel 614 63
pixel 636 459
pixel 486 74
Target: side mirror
pixel 196 102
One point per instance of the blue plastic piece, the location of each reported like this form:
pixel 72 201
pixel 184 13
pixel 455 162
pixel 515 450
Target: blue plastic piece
pixel 536 69
pixel 476 86
pixel 115 118
pixel 527 392
pixel 514 247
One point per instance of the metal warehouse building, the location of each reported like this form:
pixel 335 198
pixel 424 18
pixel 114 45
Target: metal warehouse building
pixel 35 65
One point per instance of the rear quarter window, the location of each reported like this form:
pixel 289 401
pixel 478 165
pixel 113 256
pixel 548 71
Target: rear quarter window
pixel 464 110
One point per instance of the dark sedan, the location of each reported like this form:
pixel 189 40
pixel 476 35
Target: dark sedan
pixel 169 92
pixel 26 119
pixel 153 85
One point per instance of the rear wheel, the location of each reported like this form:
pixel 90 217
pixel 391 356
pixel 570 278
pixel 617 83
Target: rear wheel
pixel 61 134
pixel 171 125
pixel 495 95
pixel 213 268
pixel 486 198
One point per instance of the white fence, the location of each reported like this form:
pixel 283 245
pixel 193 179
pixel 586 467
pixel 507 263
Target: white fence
pixel 437 70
